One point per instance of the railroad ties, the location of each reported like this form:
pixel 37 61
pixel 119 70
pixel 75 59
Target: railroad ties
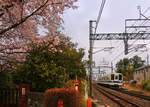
pixel 122 99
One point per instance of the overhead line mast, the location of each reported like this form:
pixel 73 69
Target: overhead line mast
pixel 115 36
pixel 91 43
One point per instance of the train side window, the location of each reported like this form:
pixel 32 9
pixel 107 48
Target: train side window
pixel 116 77
pixel 120 77
pixel 112 76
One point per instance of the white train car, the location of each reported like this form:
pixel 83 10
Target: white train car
pixel 113 79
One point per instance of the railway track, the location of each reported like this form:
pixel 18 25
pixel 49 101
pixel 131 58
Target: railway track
pixel 122 100
pixel 132 93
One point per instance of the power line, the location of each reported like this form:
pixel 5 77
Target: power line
pixel 121 54
pixel 100 13
pixel 117 56
pixel 134 24
pixel 144 22
pixel 98 18
pixel 141 35
pixel 146 10
pixel 142 14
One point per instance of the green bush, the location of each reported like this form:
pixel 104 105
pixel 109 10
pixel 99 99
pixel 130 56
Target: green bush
pixel 146 85
pixel 93 104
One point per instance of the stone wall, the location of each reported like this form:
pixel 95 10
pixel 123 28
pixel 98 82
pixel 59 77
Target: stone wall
pixel 35 99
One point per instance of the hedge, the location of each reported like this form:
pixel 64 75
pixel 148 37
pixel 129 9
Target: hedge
pixel 69 96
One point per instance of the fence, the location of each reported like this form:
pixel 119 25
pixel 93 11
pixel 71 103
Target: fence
pixel 9 97
pixel 35 99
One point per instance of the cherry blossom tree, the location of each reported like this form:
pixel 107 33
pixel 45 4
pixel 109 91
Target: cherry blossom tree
pixel 20 21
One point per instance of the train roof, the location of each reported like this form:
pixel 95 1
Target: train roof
pixel 115 73
pixel 112 73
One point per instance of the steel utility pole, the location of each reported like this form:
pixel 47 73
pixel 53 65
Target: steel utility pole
pixel 90 55
pixel 147 59
pixel 111 67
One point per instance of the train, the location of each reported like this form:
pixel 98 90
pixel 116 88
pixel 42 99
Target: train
pixel 112 79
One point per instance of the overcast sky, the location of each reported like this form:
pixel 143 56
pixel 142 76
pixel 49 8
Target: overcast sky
pixel 113 19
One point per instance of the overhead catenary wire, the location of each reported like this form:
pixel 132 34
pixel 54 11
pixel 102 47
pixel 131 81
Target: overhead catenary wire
pixel 136 40
pixel 100 14
pixel 140 14
pixel 133 51
pixel 132 32
pixel 98 18
pixel 147 49
pixel 141 35
pixel 117 56
pixel 135 23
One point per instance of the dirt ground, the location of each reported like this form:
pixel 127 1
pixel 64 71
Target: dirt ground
pixel 137 88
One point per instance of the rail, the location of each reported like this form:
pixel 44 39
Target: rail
pixel 123 100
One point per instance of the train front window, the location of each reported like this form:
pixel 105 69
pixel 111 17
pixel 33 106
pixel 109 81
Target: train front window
pixel 120 77
pixel 112 76
pixel 116 77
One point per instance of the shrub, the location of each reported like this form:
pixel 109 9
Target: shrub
pixel 93 104
pixel 146 85
pixel 82 85
pixel 70 97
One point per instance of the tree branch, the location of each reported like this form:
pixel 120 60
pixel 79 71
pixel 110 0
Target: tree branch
pixel 23 19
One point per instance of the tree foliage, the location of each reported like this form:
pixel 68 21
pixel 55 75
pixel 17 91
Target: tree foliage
pixel 6 80
pixel 51 64
pixel 127 66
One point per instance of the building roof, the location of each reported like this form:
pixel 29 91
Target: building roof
pixel 143 67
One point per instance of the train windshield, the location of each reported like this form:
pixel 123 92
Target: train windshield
pixel 116 77
pixel 120 77
pixel 112 76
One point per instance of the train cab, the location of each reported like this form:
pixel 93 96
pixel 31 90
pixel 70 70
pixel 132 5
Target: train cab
pixel 116 79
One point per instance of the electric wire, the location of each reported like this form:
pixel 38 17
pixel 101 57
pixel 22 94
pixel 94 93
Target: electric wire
pixel 132 32
pixel 140 36
pixel 100 14
pixel 134 24
pixel 117 56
